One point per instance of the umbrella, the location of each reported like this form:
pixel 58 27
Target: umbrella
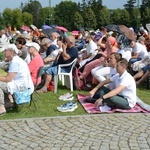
pixel 61 28
pixel 33 26
pixel 148 26
pixel 113 27
pixel 46 27
pixel 127 32
pixel 49 31
pixel 122 29
pixel 25 28
pixel 75 32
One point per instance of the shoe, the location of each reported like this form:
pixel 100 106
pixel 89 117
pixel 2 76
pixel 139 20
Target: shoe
pixel 2 110
pixel 41 91
pixel 68 107
pixel 66 97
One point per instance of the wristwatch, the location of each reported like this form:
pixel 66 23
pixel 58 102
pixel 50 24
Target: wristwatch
pixel 102 98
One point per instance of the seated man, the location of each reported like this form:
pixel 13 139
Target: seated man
pixel 139 51
pixel 69 53
pixel 89 52
pixel 18 75
pixel 123 96
pixel 36 62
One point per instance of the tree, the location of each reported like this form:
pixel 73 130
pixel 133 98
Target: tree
pixel 27 19
pixel 34 8
pixel 78 20
pixel 8 16
pixel 89 18
pixel 145 16
pixel 64 14
pixel 96 6
pixel 17 18
pixel 130 6
pixel 120 16
pixel 104 17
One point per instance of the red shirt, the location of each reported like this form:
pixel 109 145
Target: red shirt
pixel 34 66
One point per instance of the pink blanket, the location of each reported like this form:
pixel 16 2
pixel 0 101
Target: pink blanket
pixel 89 107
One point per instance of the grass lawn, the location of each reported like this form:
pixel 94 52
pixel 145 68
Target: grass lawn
pixel 47 105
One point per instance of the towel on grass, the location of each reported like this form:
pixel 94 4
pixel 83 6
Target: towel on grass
pixel 89 107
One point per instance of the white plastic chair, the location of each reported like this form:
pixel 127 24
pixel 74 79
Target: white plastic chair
pixel 61 74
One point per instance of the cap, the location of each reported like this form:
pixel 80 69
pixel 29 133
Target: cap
pixel 45 41
pixel 33 44
pixel 11 47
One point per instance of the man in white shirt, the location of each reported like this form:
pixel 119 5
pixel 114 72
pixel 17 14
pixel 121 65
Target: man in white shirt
pixel 89 52
pixel 139 51
pixel 124 95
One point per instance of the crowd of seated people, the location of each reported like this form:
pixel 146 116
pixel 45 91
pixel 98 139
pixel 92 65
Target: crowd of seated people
pixel 96 57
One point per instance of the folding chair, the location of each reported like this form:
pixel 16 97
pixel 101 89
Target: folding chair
pixel 62 74
pixel 33 99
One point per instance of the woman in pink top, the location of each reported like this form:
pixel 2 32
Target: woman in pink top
pixel 111 46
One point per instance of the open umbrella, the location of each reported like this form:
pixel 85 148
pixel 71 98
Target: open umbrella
pixel 49 31
pixel 122 29
pixel 113 27
pixel 75 32
pixel 61 28
pixel 25 28
pixel 127 32
pixel 46 27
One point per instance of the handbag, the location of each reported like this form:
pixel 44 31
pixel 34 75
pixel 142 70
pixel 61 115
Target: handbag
pixel 22 96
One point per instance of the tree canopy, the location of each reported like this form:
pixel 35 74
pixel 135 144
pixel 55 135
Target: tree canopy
pixel 89 14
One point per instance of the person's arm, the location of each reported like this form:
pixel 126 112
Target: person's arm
pixel 110 94
pixel 9 77
pixel 93 91
pixel 135 55
pixel 65 55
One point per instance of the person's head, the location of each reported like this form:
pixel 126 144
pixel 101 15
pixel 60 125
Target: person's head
pixel 122 65
pixel 60 40
pixel 10 50
pixel 8 26
pixel 88 38
pixel 111 41
pixel 132 44
pixel 33 48
pixel 114 58
pixel 54 36
pixel 70 41
pixel 45 43
pixel 20 42
pixel 141 40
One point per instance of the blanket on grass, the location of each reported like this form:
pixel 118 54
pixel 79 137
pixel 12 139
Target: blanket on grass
pixel 89 107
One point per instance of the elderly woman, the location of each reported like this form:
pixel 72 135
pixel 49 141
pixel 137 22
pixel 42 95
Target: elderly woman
pixel 18 75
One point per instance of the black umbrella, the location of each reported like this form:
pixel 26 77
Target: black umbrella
pixel 113 27
pixel 49 31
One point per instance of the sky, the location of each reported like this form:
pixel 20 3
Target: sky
pixel 12 4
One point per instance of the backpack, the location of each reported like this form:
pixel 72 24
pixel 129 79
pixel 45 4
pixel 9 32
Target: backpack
pixel 77 82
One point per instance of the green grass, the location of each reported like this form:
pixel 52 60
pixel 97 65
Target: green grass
pixel 48 103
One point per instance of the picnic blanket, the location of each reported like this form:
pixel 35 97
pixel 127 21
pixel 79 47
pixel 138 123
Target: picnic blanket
pixel 89 107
